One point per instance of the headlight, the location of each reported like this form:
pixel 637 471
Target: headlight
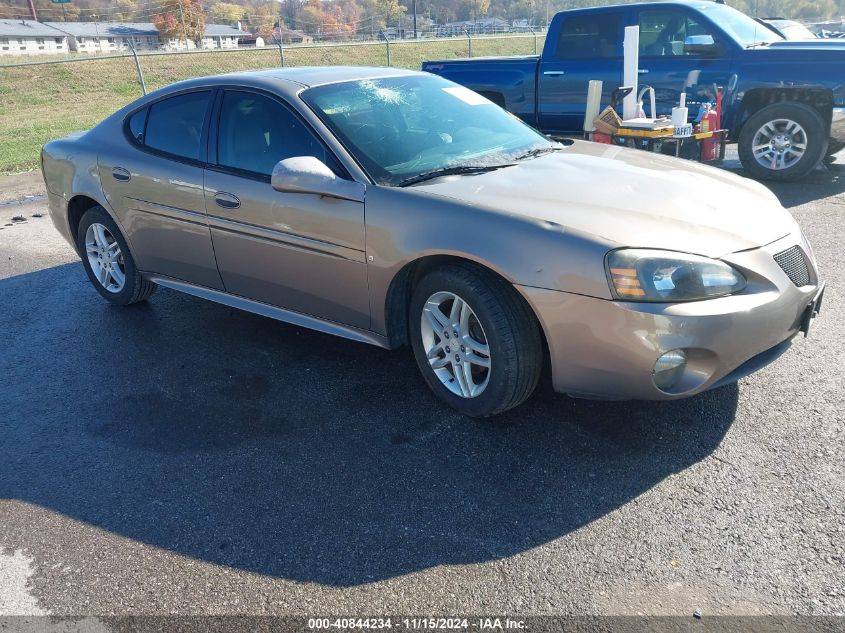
pixel 650 275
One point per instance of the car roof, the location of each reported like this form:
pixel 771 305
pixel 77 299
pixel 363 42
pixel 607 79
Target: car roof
pixel 296 77
pixel 286 82
pixel 685 3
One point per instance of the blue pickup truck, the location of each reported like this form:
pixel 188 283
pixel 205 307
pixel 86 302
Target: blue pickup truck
pixel 783 101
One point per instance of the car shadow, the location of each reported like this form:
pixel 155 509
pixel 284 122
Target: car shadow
pixel 824 182
pixel 234 439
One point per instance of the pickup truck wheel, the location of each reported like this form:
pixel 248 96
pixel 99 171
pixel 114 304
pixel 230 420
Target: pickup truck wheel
pixel 782 141
pixel 476 341
pixel 107 260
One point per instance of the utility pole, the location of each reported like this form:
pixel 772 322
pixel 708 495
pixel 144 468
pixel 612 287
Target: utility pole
pixel 32 10
pixel 415 19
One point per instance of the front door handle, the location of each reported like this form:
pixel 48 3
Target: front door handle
pixel 643 71
pixel 226 200
pixel 121 174
pixel 553 73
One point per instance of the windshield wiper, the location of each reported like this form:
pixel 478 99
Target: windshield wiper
pixel 457 170
pixel 756 44
pixel 539 151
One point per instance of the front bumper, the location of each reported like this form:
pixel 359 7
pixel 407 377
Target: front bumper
pixel 607 349
pixel 837 125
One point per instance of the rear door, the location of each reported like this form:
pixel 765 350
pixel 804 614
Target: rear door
pixel 670 70
pixel 589 46
pixel 302 252
pixel 154 182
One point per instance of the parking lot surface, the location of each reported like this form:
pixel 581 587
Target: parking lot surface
pixel 184 457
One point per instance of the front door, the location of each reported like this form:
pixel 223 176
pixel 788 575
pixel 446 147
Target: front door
pixel 589 47
pixel 669 69
pixel 297 251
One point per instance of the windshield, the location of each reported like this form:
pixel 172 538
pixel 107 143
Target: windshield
pixel 399 128
pixel 744 29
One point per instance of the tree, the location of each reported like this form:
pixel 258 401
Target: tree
pixel 290 10
pixel 181 19
pixel 226 12
pixel 339 24
pixel 311 18
pixel 811 9
pixel 123 11
pixel 50 12
pixel 390 10
pixel 474 9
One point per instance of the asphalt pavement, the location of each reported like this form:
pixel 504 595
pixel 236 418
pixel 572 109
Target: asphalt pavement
pixel 183 457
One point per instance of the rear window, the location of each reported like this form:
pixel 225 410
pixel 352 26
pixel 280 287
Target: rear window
pixel 592 36
pixel 175 125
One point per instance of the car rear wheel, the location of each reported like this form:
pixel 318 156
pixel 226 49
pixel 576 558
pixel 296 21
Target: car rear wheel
pixel 782 141
pixel 476 341
pixel 107 260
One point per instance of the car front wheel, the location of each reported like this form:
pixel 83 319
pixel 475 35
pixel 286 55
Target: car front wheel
pixel 782 141
pixel 476 341
pixel 107 260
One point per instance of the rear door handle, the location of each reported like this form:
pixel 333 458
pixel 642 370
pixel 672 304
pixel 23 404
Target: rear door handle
pixel 553 73
pixel 227 200
pixel 121 174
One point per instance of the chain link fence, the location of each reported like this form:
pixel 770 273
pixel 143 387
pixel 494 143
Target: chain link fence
pixel 41 100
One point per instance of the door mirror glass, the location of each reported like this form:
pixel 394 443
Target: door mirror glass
pixel 700 45
pixel 306 174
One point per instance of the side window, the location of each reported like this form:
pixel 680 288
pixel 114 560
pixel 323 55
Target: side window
pixel 175 125
pixel 662 33
pixel 136 125
pixel 256 132
pixel 590 36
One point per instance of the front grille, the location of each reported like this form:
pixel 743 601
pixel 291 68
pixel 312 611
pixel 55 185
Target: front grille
pixel 794 264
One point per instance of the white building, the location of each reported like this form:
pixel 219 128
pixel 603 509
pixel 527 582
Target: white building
pixel 106 37
pixel 27 37
pixel 221 36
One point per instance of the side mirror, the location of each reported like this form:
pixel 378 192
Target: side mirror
pixel 700 45
pixel 306 174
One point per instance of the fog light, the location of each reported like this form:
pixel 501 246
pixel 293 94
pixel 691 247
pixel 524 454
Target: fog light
pixel 669 368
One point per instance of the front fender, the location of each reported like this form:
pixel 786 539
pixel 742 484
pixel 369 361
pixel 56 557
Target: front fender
pixel 404 225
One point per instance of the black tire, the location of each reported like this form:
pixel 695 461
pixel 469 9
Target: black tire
pixel 135 288
pixel 511 329
pixel 807 118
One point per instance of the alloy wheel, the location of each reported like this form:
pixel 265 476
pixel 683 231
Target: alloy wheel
pixel 779 144
pixel 105 257
pixel 455 344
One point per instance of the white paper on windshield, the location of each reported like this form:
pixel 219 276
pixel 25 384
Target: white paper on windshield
pixel 467 96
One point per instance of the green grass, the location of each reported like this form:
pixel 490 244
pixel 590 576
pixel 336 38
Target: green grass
pixel 42 102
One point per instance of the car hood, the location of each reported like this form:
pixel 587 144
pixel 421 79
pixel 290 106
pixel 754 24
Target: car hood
pixel 631 198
